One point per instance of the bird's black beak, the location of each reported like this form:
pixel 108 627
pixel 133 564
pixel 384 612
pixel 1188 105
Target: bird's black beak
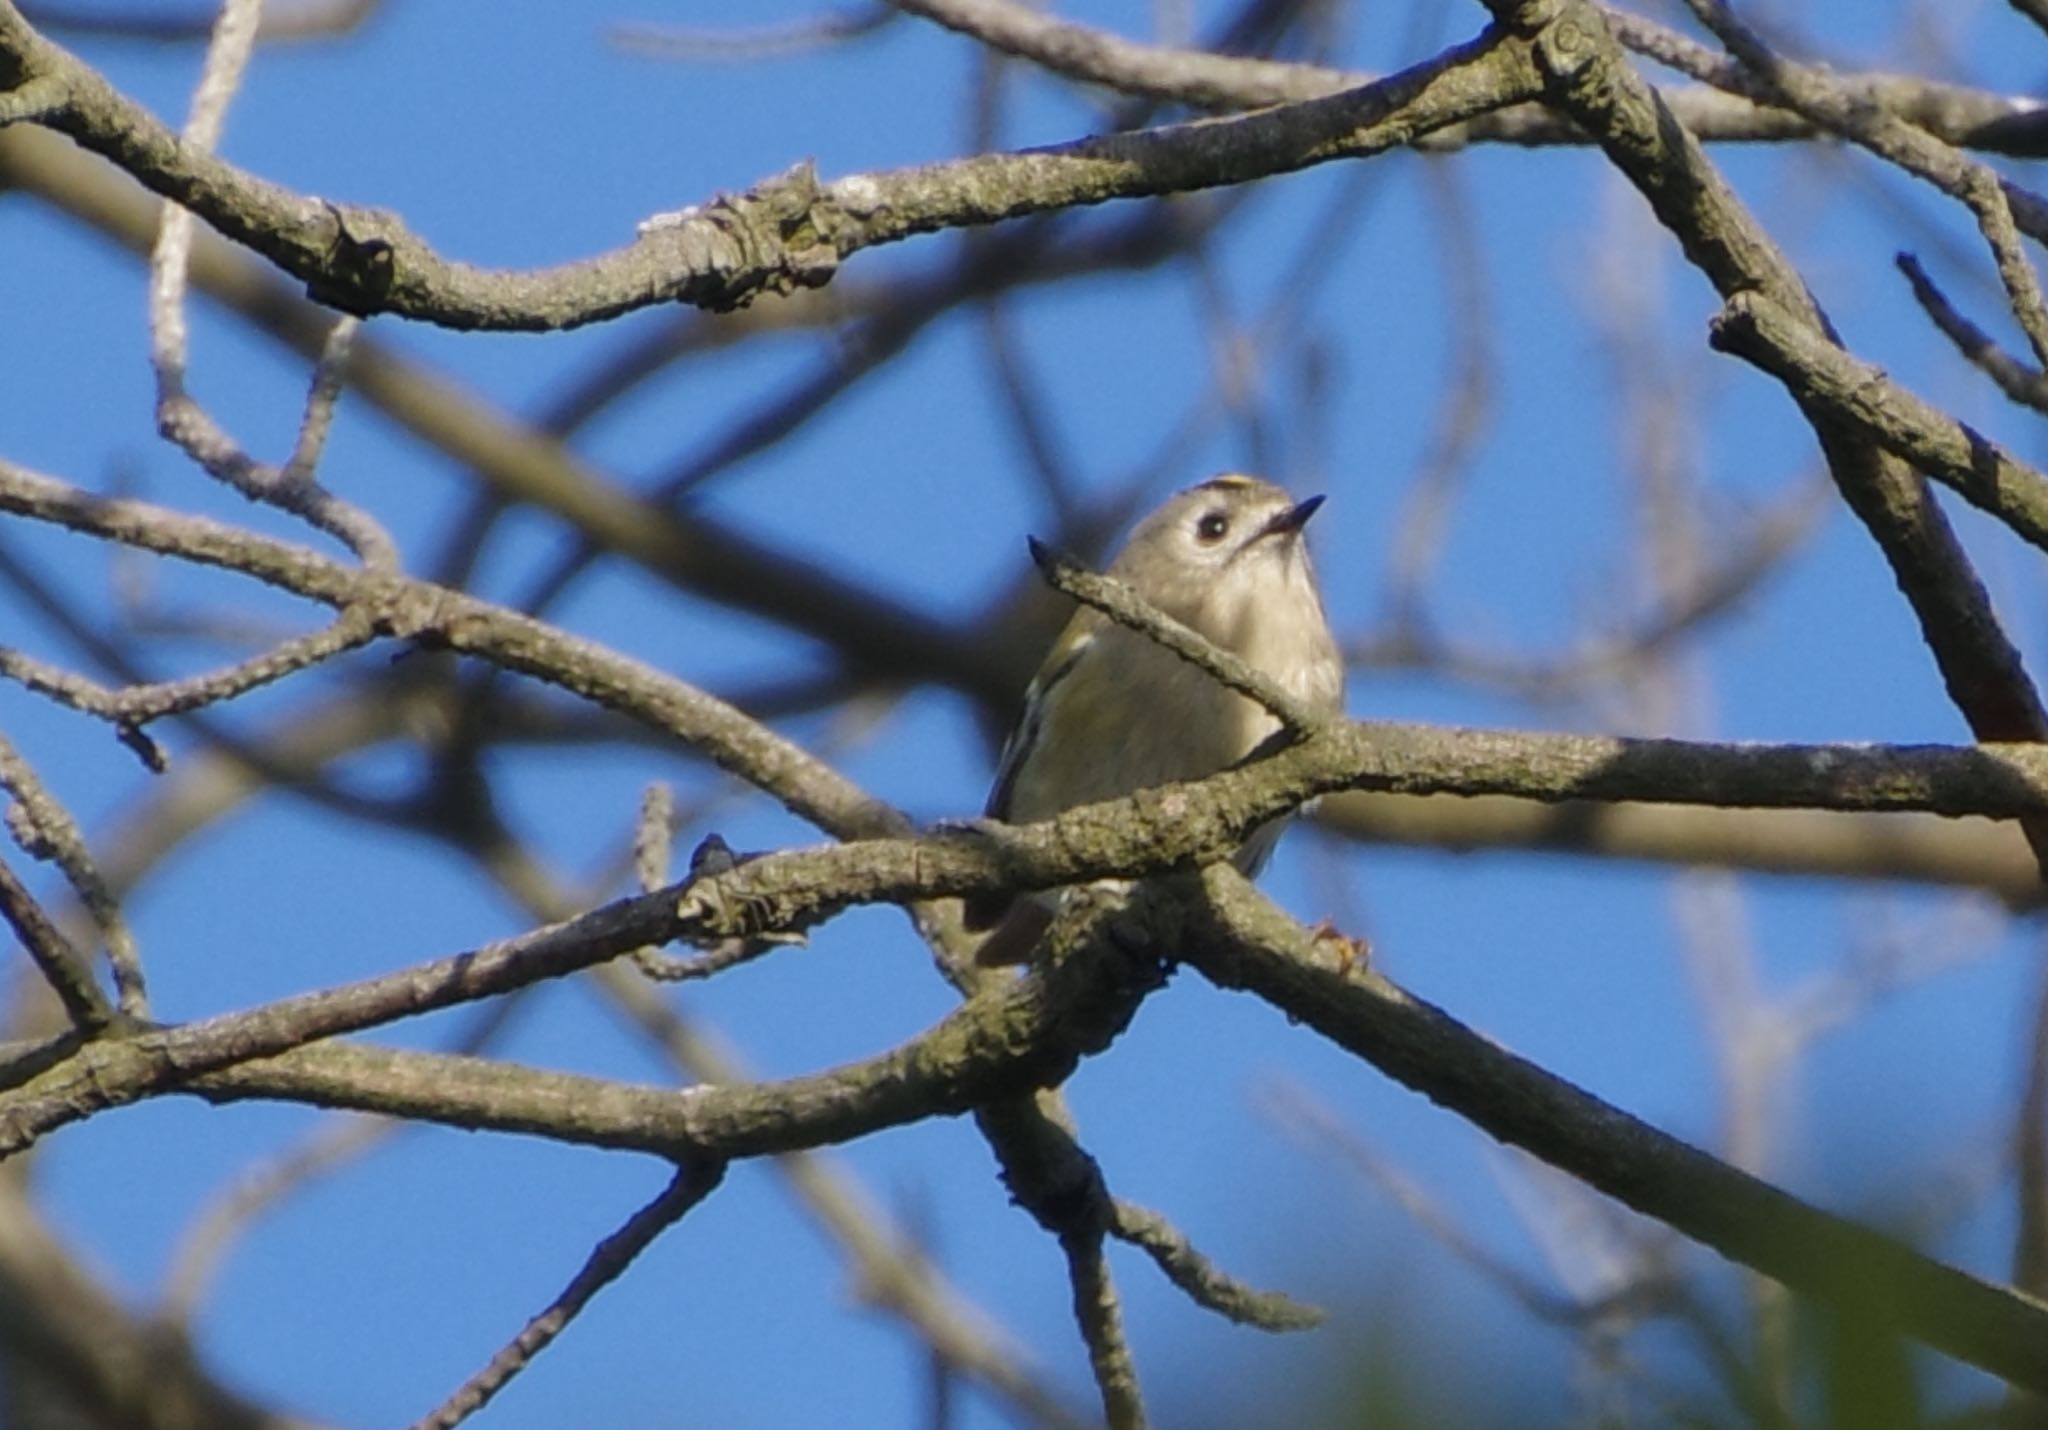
pixel 1293 519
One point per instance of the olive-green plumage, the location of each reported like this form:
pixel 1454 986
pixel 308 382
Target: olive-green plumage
pixel 1111 711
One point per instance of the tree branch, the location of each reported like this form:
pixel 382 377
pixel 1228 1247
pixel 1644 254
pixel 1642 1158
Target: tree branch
pixel 1823 378
pixel 787 233
pixel 1127 608
pixel 1726 112
pixel 1589 77
pixel 607 1263
pixel 1256 948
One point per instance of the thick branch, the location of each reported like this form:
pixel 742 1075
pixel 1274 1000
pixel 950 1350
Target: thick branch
pixel 788 233
pixel 1587 75
pixel 1028 1035
pixel 1153 831
pixel 1260 950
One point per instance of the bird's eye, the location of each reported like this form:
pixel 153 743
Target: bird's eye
pixel 1212 528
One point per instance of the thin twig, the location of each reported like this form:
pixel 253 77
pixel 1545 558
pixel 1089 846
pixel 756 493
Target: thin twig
pixel 887 1273
pixel 322 394
pixel 61 965
pixel 1861 396
pixel 1202 1281
pixel 1997 203
pixel 2023 384
pixel 130 707
pixel 653 835
pixel 335 1142
pixel 692 1183
pixel 1049 458
pixel 1469 397
pixel 1124 606
pixel 700 45
pixel 332 1144
pixel 234 34
pixel 182 419
pixel 1195 77
pixel 1317 1127
pixel 44 829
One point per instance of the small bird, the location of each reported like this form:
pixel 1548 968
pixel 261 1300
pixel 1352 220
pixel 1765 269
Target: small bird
pixel 1111 711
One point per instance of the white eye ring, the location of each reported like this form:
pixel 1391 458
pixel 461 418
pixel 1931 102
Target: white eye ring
pixel 1212 528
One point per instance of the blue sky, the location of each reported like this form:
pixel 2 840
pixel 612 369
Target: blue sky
pixel 517 136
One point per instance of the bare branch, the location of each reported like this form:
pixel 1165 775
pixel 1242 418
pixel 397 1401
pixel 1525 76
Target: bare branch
pixel 1826 380
pixel 1124 606
pixel 1966 854
pixel 1060 1185
pixel 1996 202
pixel 788 233
pixel 1019 1037
pixel 1966 118
pixel 521 463
pixel 1099 1313
pixel 887 1272
pixel 306 20
pixel 1260 950
pixel 2023 384
pixel 44 829
pixel 824 30
pixel 60 964
pixel 607 1263
pixel 417 610
pixel 131 707
pixel 1588 77
pixel 1746 112
pixel 1202 1281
